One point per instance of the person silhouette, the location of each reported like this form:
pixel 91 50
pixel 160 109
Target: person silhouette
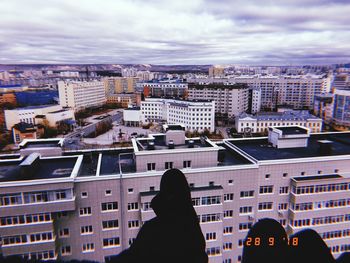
pixel 266 242
pixel 174 235
pixel 310 247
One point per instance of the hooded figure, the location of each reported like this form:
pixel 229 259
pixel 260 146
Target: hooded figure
pixel 174 235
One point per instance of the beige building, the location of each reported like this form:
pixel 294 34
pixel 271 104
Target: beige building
pixel 115 85
pixel 216 71
pixel 229 98
pixel 91 204
pixel 79 95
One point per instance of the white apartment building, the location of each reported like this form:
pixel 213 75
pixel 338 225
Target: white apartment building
pixel 260 123
pixel 296 91
pixel 196 115
pixel 229 98
pixel 91 204
pixel 53 114
pixel 79 95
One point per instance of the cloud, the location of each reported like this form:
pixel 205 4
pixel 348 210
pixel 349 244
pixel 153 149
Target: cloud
pixel 174 32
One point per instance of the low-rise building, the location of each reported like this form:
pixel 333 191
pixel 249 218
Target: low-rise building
pixel 22 131
pixel 132 116
pixel 53 114
pixel 195 115
pixel 259 123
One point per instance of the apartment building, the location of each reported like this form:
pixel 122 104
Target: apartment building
pixel 195 115
pixel 296 91
pixel 323 107
pixel 79 95
pixel 341 110
pixel 91 204
pixel 161 89
pixel 229 98
pixel 261 122
pixel 50 114
pixel 117 85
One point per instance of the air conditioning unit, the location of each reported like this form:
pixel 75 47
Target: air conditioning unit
pixel 251 217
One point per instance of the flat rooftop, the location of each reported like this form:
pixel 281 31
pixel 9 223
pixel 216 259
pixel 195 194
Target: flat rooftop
pixel 293 130
pixel 41 144
pixel 261 150
pixel 316 177
pixel 230 157
pixel 160 143
pixel 45 169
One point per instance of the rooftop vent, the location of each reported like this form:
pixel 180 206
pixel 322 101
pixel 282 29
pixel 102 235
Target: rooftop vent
pixel 171 144
pixel 150 145
pixel 191 144
pixel 325 147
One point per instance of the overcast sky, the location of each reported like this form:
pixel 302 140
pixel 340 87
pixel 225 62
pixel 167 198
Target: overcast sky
pixel 280 32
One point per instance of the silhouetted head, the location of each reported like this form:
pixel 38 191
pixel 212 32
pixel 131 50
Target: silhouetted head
pixel 174 197
pixel 310 247
pixel 266 242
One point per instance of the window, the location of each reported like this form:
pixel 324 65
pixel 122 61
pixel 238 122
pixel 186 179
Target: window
pixel 267 176
pixel 265 206
pixel 245 209
pixel 206 218
pixel 63 232
pixel 228 230
pixel 210 236
pixel 228 197
pixel 227 246
pixel 302 173
pixel 133 206
pixel 133 224
pixel 38 237
pixel 110 224
pixel 66 250
pixel 108 192
pixel 169 165
pixel 247 194
pixel 285 174
pixel 109 206
pixel 151 166
pixel 284 190
pixel 213 251
pixel 88 247
pixel 282 206
pixel 228 213
pixel 85 211
pixel 187 164
pixel 244 226
pixel 130 190
pixel 84 194
pixel 84 230
pixel 111 242
pixel 230 182
pixel 266 189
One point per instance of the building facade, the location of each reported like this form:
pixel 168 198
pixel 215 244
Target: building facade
pixel 79 95
pixel 162 89
pixel 260 123
pixel 230 99
pixel 80 206
pixel 196 115
pixel 323 107
pixel 53 114
pixel 341 110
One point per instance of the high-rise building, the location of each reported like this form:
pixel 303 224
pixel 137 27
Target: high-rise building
pixel 91 204
pixel 229 98
pixel 162 89
pixel 216 71
pixel 341 110
pixel 323 107
pixel 79 95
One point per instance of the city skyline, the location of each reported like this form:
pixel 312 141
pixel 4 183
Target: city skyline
pixel 158 32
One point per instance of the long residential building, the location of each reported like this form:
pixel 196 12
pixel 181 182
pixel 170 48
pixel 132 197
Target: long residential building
pixel 229 98
pixel 260 123
pixel 79 95
pixel 51 115
pixel 195 115
pixel 162 89
pixel 296 91
pixel 91 204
